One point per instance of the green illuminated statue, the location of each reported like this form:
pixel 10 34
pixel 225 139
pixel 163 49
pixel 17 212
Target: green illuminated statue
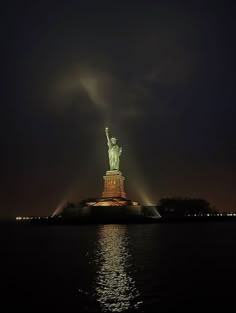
pixel 114 152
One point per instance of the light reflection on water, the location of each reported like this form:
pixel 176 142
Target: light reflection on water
pixel 115 288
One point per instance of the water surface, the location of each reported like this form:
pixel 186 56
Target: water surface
pixel 117 268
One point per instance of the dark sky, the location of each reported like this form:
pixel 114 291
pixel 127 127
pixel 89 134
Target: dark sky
pixel 160 74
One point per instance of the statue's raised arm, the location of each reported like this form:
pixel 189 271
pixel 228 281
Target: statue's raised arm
pixel 107 135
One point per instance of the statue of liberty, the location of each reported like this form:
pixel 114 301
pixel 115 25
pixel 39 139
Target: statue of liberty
pixel 114 152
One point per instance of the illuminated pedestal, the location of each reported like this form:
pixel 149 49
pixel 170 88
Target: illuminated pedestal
pixel 112 207
pixel 114 185
pixel 113 192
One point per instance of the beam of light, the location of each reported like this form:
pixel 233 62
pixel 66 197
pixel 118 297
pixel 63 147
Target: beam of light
pixel 59 207
pixel 90 84
pixel 84 79
pixel 145 198
pixel 70 194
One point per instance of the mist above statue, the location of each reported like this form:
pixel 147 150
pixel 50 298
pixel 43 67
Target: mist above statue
pixel 114 152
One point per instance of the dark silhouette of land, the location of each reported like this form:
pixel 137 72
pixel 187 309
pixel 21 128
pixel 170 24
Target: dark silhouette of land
pixel 180 207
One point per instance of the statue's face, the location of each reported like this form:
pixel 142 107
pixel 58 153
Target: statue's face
pixel 113 140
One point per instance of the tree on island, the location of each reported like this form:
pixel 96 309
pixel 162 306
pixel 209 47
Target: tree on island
pixel 178 207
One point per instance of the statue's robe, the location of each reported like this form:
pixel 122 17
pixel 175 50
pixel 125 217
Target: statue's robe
pixel 114 156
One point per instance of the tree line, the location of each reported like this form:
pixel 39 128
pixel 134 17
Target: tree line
pixel 179 206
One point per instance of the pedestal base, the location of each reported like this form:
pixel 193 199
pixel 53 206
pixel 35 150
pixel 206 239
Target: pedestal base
pixel 114 185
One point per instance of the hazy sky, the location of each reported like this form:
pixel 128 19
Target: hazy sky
pixel 158 73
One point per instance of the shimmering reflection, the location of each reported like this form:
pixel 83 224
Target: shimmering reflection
pixel 115 288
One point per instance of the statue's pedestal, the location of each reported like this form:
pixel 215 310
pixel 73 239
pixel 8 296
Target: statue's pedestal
pixel 114 185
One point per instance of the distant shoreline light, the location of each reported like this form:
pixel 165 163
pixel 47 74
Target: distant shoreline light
pixel 20 218
pixel 25 218
pixel 211 215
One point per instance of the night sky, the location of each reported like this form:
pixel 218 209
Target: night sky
pixel 159 74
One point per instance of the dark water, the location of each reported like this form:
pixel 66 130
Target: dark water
pixel 117 268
